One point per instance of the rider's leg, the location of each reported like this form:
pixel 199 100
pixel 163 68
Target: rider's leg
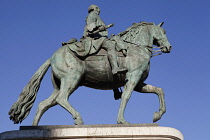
pixel 112 56
pixel 121 44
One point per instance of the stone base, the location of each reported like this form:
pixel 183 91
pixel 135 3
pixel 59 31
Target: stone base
pixel 94 132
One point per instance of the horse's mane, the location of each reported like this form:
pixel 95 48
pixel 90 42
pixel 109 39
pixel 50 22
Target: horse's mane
pixel 131 32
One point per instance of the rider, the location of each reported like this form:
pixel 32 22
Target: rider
pixel 94 23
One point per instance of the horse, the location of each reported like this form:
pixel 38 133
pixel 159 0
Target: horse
pixel 69 72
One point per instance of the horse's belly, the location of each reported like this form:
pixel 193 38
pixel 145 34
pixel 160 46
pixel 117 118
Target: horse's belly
pixel 98 74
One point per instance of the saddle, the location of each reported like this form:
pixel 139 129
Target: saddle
pixel 88 47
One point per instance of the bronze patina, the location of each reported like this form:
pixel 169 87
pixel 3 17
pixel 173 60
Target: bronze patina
pixel 99 62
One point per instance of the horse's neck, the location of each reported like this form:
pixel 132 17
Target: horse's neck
pixel 143 36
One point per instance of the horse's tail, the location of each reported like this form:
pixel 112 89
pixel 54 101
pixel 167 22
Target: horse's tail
pixel 20 109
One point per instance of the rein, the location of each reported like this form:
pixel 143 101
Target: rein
pixel 154 53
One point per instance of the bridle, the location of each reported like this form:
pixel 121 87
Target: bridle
pixel 150 48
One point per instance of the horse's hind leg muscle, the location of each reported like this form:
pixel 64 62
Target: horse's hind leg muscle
pixel 144 88
pixel 69 84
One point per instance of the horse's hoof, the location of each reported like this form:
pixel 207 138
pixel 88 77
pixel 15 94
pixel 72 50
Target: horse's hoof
pixel 34 124
pixel 123 122
pixel 126 122
pixel 78 122
pixel 156 117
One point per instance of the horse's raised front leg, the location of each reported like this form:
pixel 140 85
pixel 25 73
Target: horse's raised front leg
pixel 133 79
pixel 144 88
pixel 69 83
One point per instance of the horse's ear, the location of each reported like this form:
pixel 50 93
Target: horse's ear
pixel 161 24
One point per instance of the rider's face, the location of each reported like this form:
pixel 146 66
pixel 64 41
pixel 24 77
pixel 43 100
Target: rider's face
pixel 97 9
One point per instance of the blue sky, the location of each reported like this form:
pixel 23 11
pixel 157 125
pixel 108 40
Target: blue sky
pixel 31 31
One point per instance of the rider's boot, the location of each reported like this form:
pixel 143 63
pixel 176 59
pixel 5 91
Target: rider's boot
pixel 112 56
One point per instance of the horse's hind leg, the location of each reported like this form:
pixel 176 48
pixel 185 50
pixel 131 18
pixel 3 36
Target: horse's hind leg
pixel 44 106
pixel 69 84
pixel 144 88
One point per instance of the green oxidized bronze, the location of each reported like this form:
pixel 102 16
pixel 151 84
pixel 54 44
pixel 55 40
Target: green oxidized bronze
pixel 97 62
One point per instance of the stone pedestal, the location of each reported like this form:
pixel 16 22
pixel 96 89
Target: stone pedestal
pixel 94 132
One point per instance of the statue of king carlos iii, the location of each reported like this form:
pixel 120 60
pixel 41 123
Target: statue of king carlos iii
pixel 96 32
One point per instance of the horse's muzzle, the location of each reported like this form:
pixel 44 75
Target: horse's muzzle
pixel 166 49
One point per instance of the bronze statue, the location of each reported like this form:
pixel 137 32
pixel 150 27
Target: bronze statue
pixel 76 64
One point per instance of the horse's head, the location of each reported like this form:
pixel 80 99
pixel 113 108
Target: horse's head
pixel 160 38
pixel 147 34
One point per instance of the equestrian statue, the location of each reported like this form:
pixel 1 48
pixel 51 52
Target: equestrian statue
pixel 99 62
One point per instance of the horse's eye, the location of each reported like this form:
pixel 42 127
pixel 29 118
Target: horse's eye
pixel 164 31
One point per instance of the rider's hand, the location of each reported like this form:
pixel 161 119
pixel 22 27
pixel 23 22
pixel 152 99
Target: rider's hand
pixel 102 28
